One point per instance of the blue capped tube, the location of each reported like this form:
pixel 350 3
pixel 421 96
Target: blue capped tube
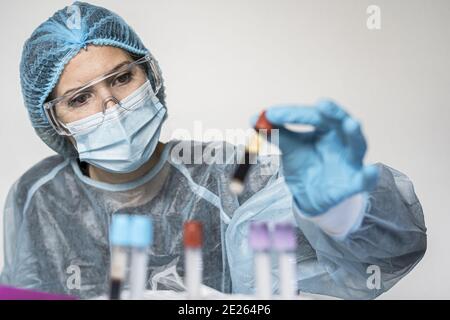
pixel 141 238
pixel 120 241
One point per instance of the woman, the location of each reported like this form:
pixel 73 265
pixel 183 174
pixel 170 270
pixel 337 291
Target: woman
pixel 95 95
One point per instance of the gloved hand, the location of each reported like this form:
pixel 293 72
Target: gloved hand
pixel 324 166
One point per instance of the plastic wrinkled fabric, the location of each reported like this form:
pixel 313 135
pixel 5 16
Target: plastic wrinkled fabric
pixel 53 44
pixel 57 220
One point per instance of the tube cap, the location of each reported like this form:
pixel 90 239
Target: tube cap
pixel 141 231
pixel 120 230
pixel 193 231
pixel 263 123
pixel 284 237
pixel 259 236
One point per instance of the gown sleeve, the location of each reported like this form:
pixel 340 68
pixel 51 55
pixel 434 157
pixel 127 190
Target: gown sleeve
pixel 388 242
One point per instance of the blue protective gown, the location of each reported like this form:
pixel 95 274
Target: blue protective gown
pixel 57 220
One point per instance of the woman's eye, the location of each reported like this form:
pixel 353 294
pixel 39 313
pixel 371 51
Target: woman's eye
pixel 122 79
pixel 79 100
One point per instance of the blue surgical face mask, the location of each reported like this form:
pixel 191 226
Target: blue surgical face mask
pixel 127 136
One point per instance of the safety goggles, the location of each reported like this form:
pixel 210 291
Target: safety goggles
pixel 94 97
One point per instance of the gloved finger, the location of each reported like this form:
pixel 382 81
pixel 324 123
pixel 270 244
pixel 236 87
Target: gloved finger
pixel 366 179
pixel 331 112
pixel 289 141
pixel 355 140
pixel 294 114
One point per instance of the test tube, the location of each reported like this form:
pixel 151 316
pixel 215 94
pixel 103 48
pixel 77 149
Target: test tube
pixel 193 263
pixel 251 151
pixel 141 239
pixel 120 240
pixel 259 239
pixel 284 242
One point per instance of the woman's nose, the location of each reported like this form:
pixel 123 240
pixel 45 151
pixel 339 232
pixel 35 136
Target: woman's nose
pixel 110 102
pixel 107 97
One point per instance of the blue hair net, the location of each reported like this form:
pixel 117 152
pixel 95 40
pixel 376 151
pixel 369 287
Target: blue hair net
pixel 53 44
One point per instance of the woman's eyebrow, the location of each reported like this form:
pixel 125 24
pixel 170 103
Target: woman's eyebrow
pixel 117 67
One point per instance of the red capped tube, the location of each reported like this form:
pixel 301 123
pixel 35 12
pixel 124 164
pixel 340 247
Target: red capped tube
pixel 263 123
pixel 193 234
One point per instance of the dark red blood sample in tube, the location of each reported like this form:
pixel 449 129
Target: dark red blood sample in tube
pixel 263 123
pixel 193 234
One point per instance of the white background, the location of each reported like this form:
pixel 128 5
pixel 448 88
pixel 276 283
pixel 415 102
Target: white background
pixel 223 61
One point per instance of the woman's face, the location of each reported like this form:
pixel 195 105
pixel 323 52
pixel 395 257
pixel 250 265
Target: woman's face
pixel 85 66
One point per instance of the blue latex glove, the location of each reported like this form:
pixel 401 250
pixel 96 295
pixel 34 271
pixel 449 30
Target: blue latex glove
pixel 325 166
